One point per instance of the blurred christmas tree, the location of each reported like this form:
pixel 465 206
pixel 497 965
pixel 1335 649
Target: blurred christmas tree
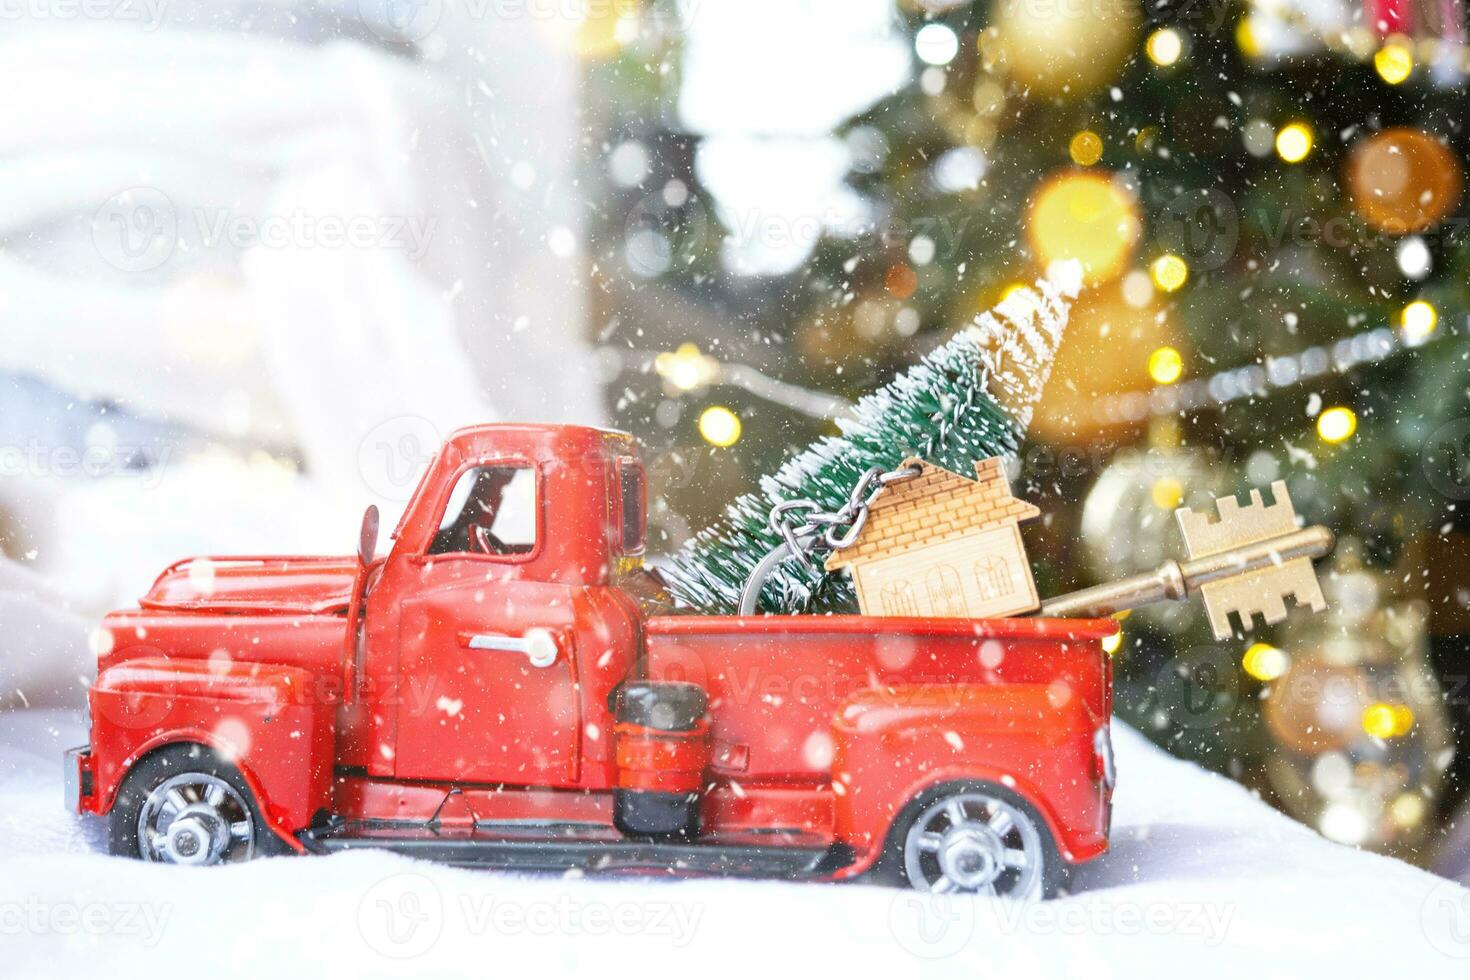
pixel 1267 201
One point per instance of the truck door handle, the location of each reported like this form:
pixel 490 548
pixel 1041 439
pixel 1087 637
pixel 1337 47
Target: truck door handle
pixel 539 645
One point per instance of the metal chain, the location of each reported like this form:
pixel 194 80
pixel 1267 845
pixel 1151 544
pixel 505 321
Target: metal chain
pixel 816 528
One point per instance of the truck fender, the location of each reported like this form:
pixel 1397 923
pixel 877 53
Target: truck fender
pixel 274 723
pixel 891 744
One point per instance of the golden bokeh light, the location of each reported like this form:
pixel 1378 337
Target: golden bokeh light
pixel 1084 215
pixel 1169 272
pixel 1418 321
pixel 1293 142
pixel 719 426
pixel 1265 662
pixel 1394 62
pixel 1336 425
pixel 1166 365
pixel 1164 46
pixel 1086 148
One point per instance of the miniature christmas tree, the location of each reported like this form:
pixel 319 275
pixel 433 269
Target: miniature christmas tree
pixel 947 410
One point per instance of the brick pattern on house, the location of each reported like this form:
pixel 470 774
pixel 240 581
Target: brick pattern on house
pixel 932 508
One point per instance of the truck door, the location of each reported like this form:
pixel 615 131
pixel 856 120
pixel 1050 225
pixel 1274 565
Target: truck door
pixel 487 689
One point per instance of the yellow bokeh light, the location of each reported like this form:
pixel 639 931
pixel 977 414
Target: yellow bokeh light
pixel 1394 62
pixel 1417 321
pixel 686 369
pixel 1387 720
pixel 1112 644
pixel 1084 215
pixel 1265 662
pixel 1247 37
pixel 1294 142
pixel 1164 46
pixel 1169 272
pixel 1086 148
pixel 1337 424
pixel 1167 493
pixel 1165 365
pixel 1407 809
pixel 719 426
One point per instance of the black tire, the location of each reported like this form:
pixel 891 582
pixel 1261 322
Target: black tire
pixel 891 867
pixel 169 763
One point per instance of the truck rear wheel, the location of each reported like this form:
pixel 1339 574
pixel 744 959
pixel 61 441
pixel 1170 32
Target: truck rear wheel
pixel 972 838
pixel 185 805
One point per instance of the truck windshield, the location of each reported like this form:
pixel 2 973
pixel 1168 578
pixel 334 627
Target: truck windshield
pixel 492 511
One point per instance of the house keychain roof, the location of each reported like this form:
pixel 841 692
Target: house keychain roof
pixel 941 544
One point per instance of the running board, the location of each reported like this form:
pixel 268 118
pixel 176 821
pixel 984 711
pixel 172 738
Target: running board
pixel 593 849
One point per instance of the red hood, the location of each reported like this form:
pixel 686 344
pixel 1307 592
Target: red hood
pixel 266 584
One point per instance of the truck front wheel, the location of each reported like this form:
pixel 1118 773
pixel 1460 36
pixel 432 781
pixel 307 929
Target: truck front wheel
pixel 185 805
pixel 975 838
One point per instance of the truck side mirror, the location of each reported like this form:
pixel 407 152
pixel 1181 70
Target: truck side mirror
pixel 367 538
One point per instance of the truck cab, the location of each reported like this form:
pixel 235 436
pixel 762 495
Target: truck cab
pixel 505 688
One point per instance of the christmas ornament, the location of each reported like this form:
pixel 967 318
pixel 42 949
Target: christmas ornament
pixel 1127 518
pixel 1402 180
pixel 1066 50
pixel 1358 719
pixel 948 411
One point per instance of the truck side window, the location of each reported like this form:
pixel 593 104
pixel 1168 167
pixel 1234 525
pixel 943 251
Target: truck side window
pixel 492 511
pixel 630 498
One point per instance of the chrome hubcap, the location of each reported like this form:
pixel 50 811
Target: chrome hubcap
pixel 195 818
pixel 974 842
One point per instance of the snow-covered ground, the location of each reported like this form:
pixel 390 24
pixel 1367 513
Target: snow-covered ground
pixel 1202 880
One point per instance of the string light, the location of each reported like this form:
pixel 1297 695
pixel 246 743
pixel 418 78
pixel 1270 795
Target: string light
pixel 686 369
pixel 1165 365
pixel 1264 662
pixel 1169 272
pixel 1294 142
pixel 1252 380
pixel 719 426
pixel 1164 46
pixel 1417 322
pixel 1394 62
pixel 1086 148
pixel 1336 425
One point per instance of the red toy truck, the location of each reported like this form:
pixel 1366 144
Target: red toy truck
pixel 493 692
